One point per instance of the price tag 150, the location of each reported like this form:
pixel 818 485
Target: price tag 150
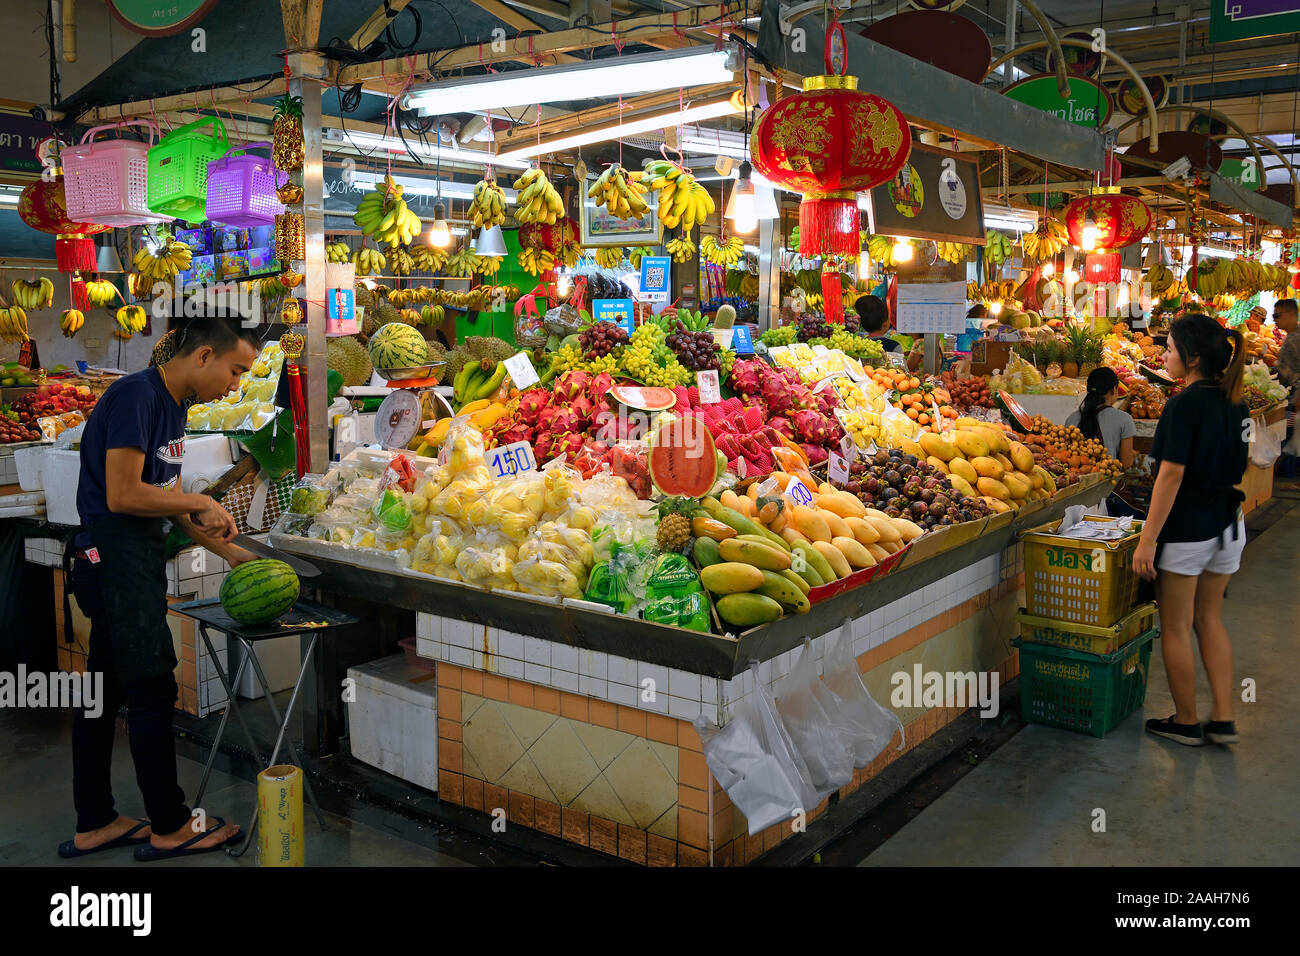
pixel 521 370
pixel 511 460
pixel 839 469
pixel 798 493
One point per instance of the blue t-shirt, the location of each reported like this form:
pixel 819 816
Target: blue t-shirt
pixel 136 411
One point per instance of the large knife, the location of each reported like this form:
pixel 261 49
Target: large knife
pixel 264 550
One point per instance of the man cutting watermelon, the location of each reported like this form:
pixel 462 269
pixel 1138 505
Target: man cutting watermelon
pixel 131 453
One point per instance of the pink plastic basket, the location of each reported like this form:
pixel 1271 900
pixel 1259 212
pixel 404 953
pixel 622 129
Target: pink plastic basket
pixel 105 182
pixel 241 188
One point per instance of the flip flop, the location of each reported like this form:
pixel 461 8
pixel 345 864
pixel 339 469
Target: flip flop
pixel 148 852
pixel 70 851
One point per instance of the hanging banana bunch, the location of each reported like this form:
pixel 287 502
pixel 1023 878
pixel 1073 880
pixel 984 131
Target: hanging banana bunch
pixel 425 258
pixel 1047 241
pixel 997 248
pixel 172 257
pixel 537 200
pixel 463 263
pixel 70 322
pixel 570 252
pixel 13 324
pixel 489 265
pixel 607 257
pixel 879 248
pixel 953 251
pixel 621 192
pixel 682 201
pixel 682 249
pixel 34 294
pixel 536 261
pixel 130 319
pixel 399 261
pixel 369 262
pixel 383 215
pixel 337 251
pixel 726 253
pixel 488 207
pixel 100 292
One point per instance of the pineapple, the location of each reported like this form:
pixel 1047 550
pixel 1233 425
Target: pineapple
pixel 675 523
pixel 287 151
pixel 1076 338
pixel 1092 354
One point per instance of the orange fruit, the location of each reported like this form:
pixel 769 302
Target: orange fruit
pixel 912 414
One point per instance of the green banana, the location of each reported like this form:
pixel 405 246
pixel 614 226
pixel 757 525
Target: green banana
pixel 492 384
pixel 458 383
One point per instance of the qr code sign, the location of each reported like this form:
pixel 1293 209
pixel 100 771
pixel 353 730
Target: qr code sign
pixel 655 277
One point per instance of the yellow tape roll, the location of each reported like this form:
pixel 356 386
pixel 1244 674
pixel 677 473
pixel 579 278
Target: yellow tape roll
pixel 279 816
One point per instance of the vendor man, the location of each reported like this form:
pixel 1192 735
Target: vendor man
pixel 130 484
pixel 874 315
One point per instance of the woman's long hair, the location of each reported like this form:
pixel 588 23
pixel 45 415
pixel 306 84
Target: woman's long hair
pixel 1220 353
pixel 1101 382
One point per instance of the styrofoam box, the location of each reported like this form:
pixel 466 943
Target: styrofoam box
pixel 60 474
pixel 279 658
pixel 393 723
pixel 29 460
pixel 207 454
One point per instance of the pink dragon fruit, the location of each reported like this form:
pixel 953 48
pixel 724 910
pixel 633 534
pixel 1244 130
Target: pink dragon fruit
pixel 570 385
pixel 781 426
pixel 531 405
pixel 745 378
pixel 566 444
pixel 816 453
pixel 556 419
pixel 776 395
pixel 583 408
pixel 542 448
pixel 812 426
pixel 598 386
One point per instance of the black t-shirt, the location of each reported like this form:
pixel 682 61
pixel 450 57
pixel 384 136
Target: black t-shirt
pixel 1201 430
pixel 886 343
pixel 136 411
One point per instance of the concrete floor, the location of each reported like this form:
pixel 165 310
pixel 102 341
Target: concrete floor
pixel 1033 801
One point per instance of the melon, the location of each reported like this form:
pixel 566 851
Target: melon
pixel 682 458
pixel 646 398
pixel 397 345
pixel 259 591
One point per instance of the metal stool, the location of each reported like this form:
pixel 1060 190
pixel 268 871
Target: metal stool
pixel 304 617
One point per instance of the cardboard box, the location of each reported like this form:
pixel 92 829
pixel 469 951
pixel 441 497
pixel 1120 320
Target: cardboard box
pixel 988 356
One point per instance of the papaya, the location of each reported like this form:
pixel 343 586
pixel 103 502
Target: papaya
pixel 962 485
pixel 706 552
pixel 836 524
pixel 1035 479
pixel 997 439
pixel 993 488
pixel 705 527
pixel 435 435
pixel 796 580
pixel 834 557
pixel 783 592
pixel 854 552
pixel 863 530
pixel 986 467
pixel 938 464
pixel 766 542
pixel 748 610
pixel 809 575
pixel 963 469
pixel 810 523
pixel 750 552
pixel 814 559
pixel 971 444
pixel 1021 457
pixel 1018 485
pixel 731 577
pixel 936 446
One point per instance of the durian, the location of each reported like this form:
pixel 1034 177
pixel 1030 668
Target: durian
pixel 347 356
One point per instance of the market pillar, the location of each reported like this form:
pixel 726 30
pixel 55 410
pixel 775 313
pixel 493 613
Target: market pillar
pixel 769 273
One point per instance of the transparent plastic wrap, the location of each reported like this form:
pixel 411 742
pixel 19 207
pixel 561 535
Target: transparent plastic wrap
pixel 436 551
pixel 865 722
pixel 537 574
pixel 675 596
pixel 392 511
pixel 618 579
pixel 311 495
pixel 616 533
pixel 335 525
pixel 607 492
pixel 292 524
pixel 805 705
pixel 488 560
pixel 462 449
pixel 562 320
pixel 756 763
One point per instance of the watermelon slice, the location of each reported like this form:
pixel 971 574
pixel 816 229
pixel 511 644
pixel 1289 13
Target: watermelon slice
pixel 646 398
pixel 682 458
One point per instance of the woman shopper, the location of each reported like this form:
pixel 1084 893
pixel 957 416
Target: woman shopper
pixel 131 454
pixel 1098 418
pixel 1193 537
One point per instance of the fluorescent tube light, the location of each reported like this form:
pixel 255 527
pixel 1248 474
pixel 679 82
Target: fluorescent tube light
pixel 998 216
pixel 414 148
pixel 615 76
pixel 714 142
pixel 429 187
pixel 708 109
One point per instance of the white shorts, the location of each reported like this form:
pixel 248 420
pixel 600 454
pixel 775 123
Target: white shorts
pixel 1220 555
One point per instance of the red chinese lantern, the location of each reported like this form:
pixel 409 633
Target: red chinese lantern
pixel 1101 267
pixel 830 142
pixel 1117 220
pixel 43 207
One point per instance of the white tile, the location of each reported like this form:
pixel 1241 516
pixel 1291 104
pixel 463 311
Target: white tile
pixel 489 640
pixel 211 586
pixel 564 658
pixel 622 694
pixel 461 656
pixel 423 627
pixel 510 644
pixel 564 680
pixel 657 704
pixel 621 670
pixel 765 673
pixel 593 686
pixel 684 684
pixel 709 690
pixel 537 673
pixel 683 709
pixel 425 648
pixel 593 663
pixel 537 651
pixel 653 672
pixel 732 689
pixel 509 667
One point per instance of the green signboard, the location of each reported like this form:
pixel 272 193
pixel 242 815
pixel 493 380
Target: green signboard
pixel 1243 172
pixel 1081 108
pixel 1247 19
pixel 159 19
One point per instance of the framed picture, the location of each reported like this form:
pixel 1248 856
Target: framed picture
pixel 599 228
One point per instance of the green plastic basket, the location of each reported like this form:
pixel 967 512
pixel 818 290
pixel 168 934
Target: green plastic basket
pixel 1086 693
pixel 1085 637
pixel 177 184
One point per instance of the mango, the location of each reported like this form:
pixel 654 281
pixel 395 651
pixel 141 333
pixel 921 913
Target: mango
pixel 750 552
pixel 877 552
pixel 748 610
pixel 731 577
pixel 962 485
pixel 814 560
pixel 783 592
pixel 1004 461
pixel 997 504
pixel 841 503
pixel 992 488
pixel 854 552
pixel 864 532
pixel 988 468
pixel 796 580
pixel 790 536
pixel 1035 479
pixel 703 526
pixel 1017 484
pixel 963 469
pixel 971 444
pixel 836 524
pixel 938 447
pixel 938 464
pixel 706 552
pixel 834 557
pixel 730 499
pixel 1021 457
pixel 885 528
pixel 910 530
pixel 996 438
pixel 766 542
pixel 909 447
pixel 733 518
pixel 810 523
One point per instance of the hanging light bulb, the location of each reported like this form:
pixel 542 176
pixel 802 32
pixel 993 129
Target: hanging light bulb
pixel 995 308
pixel 1088 238
pixel 1049 269
pixel 902 251
pixel 439 232
pixel 742 209
pixel 1071 276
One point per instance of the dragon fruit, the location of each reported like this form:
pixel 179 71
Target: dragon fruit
pixel 745 378
pixel 781 426
pixel 556 420
pixel 598 386
pixel 567 443
pixel 583 408
pixel 813 426
pixel 816 453
pixel 571 384
pixel 531 405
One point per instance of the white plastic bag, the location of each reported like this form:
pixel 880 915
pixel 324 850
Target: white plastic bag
pixel 805 706
pixel 756 763
pixel 1267 446
pixel 870 724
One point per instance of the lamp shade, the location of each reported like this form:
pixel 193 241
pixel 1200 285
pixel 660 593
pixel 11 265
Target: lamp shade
pixel 1119 220
pixel 107 260
pixel 490 242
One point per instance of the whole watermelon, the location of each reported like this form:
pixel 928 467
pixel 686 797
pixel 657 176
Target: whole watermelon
pixel 259 591
pixel 397 345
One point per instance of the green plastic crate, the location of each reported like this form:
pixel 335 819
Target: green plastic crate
pixel 1085 637
pixel 177 183
pixel 1086 693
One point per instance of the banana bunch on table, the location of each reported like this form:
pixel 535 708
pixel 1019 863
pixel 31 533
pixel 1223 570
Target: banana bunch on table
pixel 33 294
pixel 1047 240
pixel 682 201
pixel 369 261
pixel 488 207
pixel 384 216
pixel 682 249
pixel 537 200
pixel 621 192
pixel 172 257
pixel 726 253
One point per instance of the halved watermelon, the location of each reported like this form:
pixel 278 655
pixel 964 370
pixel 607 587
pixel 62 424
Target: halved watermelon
pixel 682 458
pixel 646 398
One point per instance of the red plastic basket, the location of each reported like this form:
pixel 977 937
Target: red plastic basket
pixel 106 182
pixel 241 188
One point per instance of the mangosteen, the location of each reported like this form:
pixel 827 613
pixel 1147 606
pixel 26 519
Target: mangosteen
pixel 853 487
pixel 882 457
pixel 943 500
pixel 906 471
pixel 892 477
pixel 927 495
pixel 919 508
pixel 857 468
pixel 936 511
pixel 897 504
pixel 893 512
pixel 945 520
pixel 910 459
pixel 872 485
pixel 913 487
pixel 889 493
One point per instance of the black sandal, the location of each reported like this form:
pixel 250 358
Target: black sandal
pixel 70 851
pixel 150 853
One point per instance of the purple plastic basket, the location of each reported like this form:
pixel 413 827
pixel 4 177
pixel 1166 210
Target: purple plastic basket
pixel 241 188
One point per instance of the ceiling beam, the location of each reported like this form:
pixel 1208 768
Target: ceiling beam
pixel 376 24
pixel 512 17
pixel 224 96
pixel 602 114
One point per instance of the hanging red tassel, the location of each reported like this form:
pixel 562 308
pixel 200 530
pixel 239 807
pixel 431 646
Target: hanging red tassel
pixel 80 300
pixel 828 226
pixel 74 253
pixel 832 294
